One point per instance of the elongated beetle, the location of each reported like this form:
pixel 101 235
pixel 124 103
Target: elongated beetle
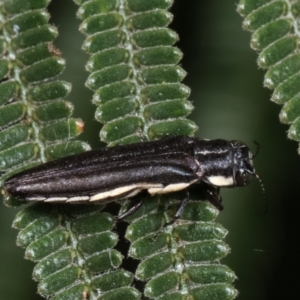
pixel 158 167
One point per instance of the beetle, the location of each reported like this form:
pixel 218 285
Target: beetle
pixel 157 167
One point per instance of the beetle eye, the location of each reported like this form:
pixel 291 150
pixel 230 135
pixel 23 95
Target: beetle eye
pixel 243 165
pixel 243 177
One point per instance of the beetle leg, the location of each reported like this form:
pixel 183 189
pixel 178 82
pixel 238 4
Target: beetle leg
pixel 180 209
pixel 218 193
pixel 134 208
pixel 183 203
pixel 213 196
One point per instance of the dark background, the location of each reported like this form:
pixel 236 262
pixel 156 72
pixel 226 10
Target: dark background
pixel 230 103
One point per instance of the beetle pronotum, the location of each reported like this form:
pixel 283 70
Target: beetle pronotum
pixel 158 167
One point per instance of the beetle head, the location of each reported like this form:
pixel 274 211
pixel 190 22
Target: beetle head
pixel 243 170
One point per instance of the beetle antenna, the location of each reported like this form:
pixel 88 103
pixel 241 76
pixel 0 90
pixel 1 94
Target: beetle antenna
pixel 263 191
pixel 257 148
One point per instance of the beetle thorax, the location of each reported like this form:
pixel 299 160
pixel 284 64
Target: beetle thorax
pixel 223 163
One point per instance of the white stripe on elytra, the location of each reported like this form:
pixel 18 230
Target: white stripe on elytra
pixel 56 199
pixel 113 193
pixel 134 189
pixel 36 198
pixel 132 194
pixel 170 188
pixel 78 198
pixel 221 180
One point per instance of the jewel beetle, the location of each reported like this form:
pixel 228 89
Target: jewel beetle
pixel 156 167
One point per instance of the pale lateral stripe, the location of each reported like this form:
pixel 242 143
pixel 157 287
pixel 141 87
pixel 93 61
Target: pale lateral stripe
pixel 78 198
pixel 220 180
pixel 56 199
pixel 145 186
pixel 169 188
pixel 175 187
pixel 135 188
pixel 142 186
pixel 113 193
pixel 36 198
pixel 132 194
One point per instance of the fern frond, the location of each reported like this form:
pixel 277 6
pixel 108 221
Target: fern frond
pixel 71 249
pixel 70 246
pixel 182 259
pixel 139 96
pixel 133 60
pixel 34 118
pixel 275 35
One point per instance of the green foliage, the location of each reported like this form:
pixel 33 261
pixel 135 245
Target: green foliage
pixel 275 34
pixel 132 58
pixel 33 117
pixel 73 251
pixel 70 247
pixel 175 257
pixel 139 96
pixel 136 80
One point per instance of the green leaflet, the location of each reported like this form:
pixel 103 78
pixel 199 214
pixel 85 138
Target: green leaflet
pixel 120 74
pixel 274 25
pixel 72 246
pixel 33 116
pixel 166 265
pixel 18 6
pixel 27 20
pixel 36 126
pixel 139 96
